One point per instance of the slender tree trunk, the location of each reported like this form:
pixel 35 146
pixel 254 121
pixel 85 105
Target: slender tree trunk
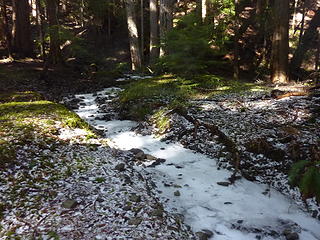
pixel 64 7
pixel 305 44
pixel 236 67
pixel 22 33
pixel 55 56
pixel 202 9
pixel 133 34
pixel 154 31
pixel 166 21
pixel 302 23
pixel 7 33
pixel 142 30
pixel 82 13
pixel 280 42
pixel 294 17
pixel 316 62
pixel 40 22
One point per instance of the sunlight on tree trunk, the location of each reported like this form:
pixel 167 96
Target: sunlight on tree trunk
pixel 154 31
pixel 305 44
pixel 166 21
pixel 280 42
pixel 133 35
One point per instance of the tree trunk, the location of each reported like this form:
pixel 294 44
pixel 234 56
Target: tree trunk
pixel 306 43
pixel 166 21
pixel 202 9
pixel 280 42
pixel 40 22
pixel 236 67
pixel 55 56
pixel 22 31
pixel 294 17
pixel 7 33
pixel 154 32
pixel 133 34
pixel 142 30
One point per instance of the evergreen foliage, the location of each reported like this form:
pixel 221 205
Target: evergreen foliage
pixel 306 175
pixel 188 45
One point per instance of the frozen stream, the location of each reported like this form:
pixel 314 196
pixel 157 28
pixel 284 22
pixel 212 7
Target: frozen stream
pixel 239 211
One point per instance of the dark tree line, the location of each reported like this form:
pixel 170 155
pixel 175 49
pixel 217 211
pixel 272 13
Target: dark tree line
pixel 280 36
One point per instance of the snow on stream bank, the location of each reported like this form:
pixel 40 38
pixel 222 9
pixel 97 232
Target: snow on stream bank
pixel 187 182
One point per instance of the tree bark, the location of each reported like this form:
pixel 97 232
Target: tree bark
pixel 280 42
pixel 7 33
pixel 40 22
pixel 154 31
pixel 55 56
pixel 22 44
pixel 166 22
pixel 236 67
pixel 133 34
pixel 306 43
pixel 142 30
pixel 202 9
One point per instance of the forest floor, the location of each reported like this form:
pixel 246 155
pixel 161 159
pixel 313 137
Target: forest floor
pixel 69 183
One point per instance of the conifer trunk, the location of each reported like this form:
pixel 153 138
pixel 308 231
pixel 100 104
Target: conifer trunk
pixel 154 31
pixel 55 56
pixel 22 43
pixel 166 21
pixel 280 42
pixel 133 34
pixel 306 43
pixel 6 31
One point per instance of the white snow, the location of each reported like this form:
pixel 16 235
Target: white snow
pixel 204 203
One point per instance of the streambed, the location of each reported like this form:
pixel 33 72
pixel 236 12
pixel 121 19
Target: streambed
pixel 190 184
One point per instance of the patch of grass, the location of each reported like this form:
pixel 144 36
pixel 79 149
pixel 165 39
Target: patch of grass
pixel 161 120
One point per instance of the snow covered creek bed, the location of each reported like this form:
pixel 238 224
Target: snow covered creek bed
pixel 193 185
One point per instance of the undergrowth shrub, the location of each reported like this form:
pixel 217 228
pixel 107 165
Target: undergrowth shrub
pixel 306 175
pixel 188 45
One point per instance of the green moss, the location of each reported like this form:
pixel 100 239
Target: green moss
pixel 146 95
pixel 32 122
pixel 41 111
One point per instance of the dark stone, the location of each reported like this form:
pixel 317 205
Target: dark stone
pixel 70 204
pixel 177 193
pixel 149 157
pixel 225 184
pixel 120 167
pixel 126 208
pixel 315 214
pixel 135 221
pixel 157 212
pixel 135 198
pixel 136 150
pixel 240 221
pixel 293 236
pixel 204 234
pixel 227 203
